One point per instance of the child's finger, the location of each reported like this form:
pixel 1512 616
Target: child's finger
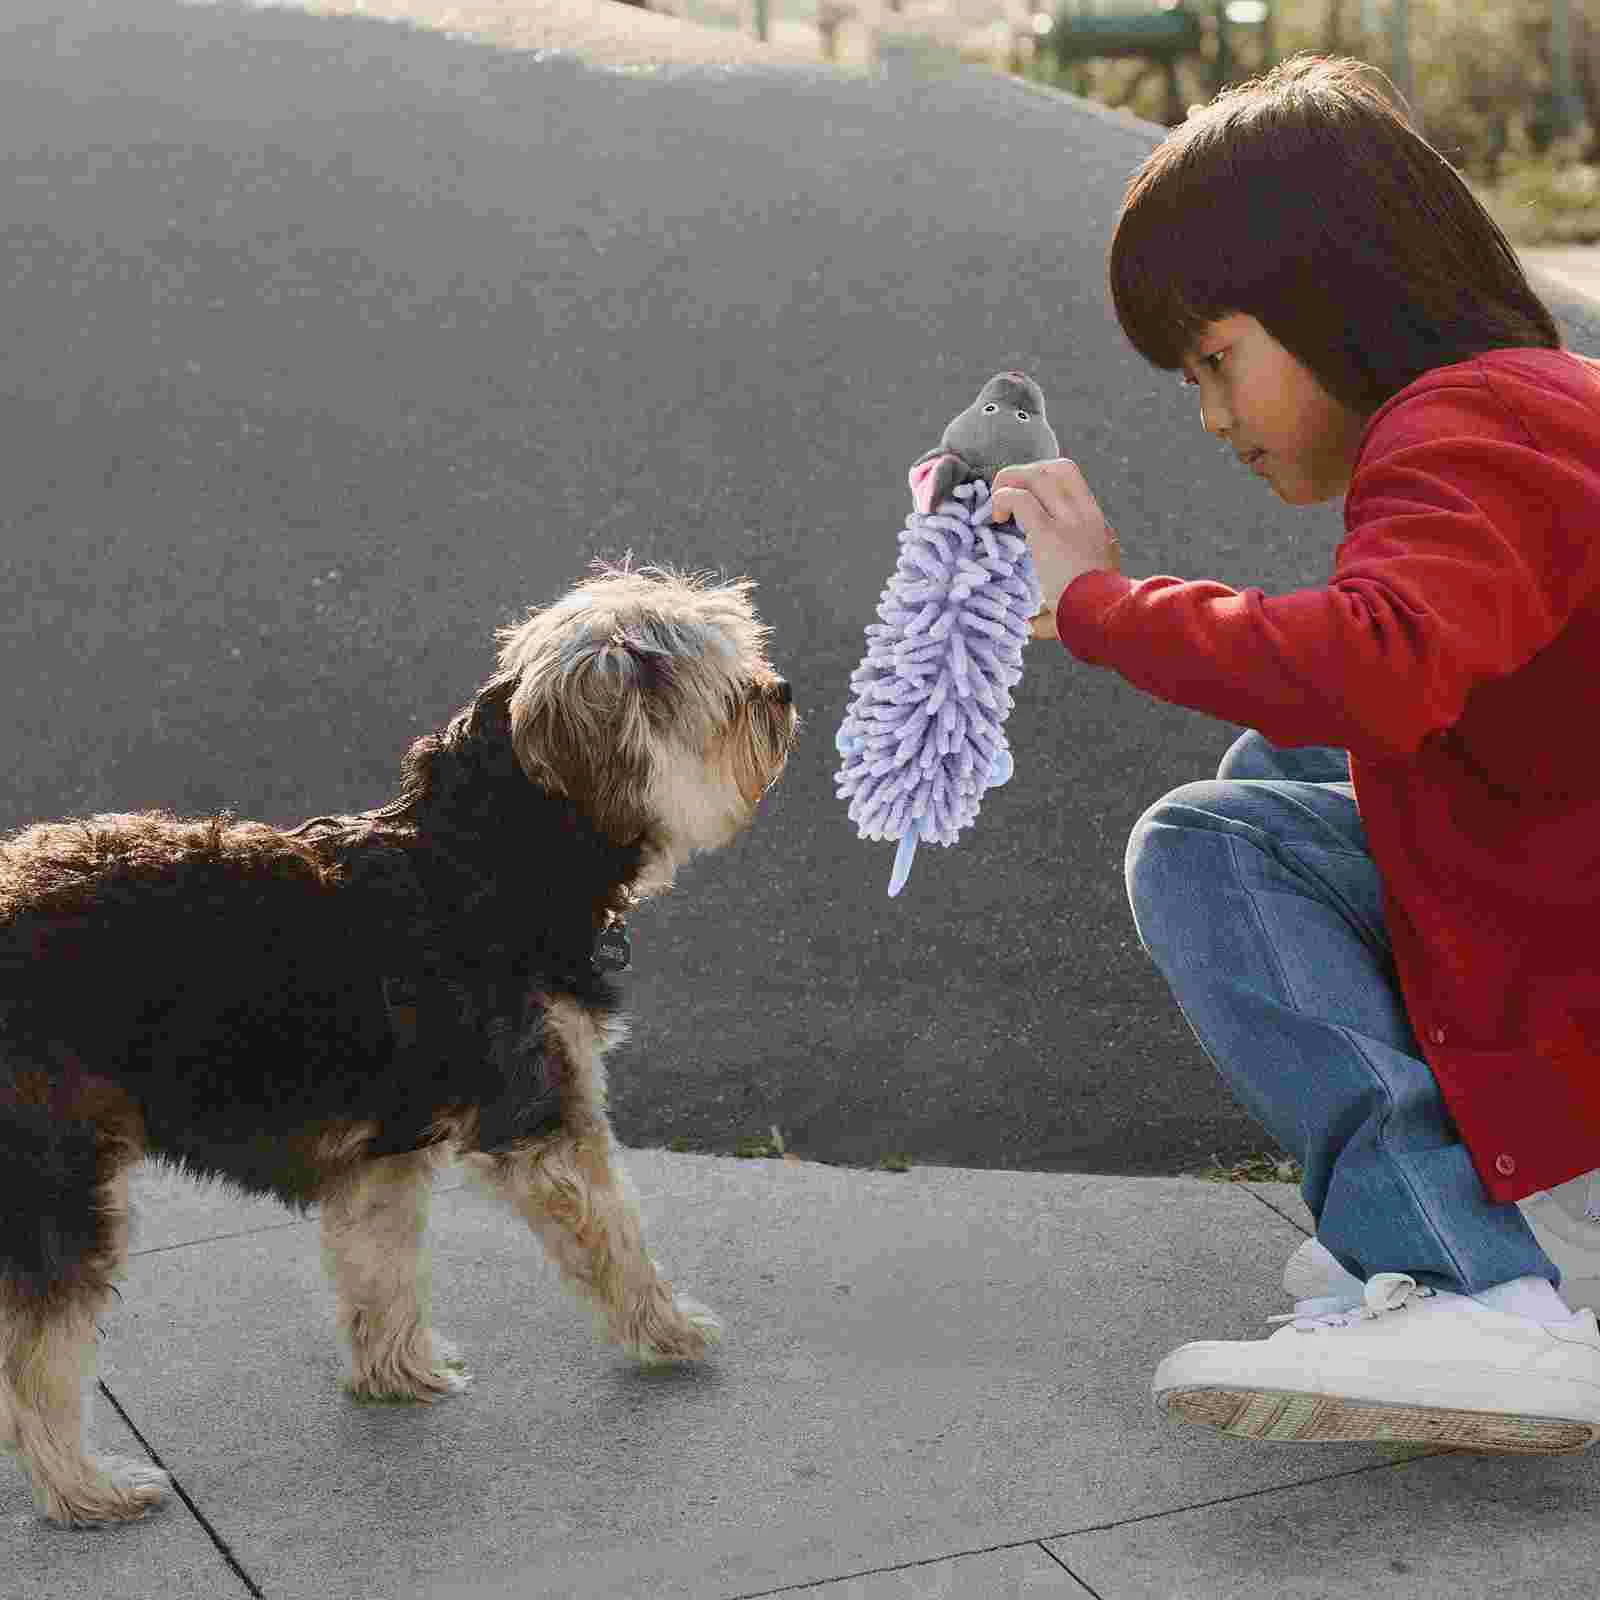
pixel 1013 503
pixel 1057 487
pixel 1003 504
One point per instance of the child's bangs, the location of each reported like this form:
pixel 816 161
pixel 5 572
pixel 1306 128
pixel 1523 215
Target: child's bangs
pixel 1224 213
pixel 1165 299
pixel 1181 255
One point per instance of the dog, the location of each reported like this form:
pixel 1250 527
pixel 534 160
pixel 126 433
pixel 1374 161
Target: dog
pixel 330 1013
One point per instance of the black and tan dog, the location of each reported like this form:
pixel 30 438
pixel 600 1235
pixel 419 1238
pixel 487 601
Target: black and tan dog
pixel 330 1013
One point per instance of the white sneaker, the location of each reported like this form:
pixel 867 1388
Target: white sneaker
pixel 1410 1364
pixel 1565 1221
pixel 1315 1281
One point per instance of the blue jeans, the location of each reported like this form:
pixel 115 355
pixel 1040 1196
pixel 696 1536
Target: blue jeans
pixel 1256 897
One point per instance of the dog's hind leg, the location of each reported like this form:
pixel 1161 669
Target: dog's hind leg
pixel 373 1246
pixel 64 1240
pixel 574 1194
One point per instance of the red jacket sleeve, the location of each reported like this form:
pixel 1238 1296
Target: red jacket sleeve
pixel 1467 547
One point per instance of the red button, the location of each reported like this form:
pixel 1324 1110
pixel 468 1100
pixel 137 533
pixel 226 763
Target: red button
pixel 1437 1035
pixel 1505 1166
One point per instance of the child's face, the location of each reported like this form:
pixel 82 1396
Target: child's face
pixel 1272 412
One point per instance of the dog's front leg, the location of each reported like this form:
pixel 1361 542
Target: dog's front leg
pixel 573 1193
pixel 373 1225
pixel 47 1347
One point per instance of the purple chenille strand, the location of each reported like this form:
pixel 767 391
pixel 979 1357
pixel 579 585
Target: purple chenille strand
pixel 924 734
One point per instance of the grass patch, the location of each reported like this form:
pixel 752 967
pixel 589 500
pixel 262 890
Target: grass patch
pixel 1265 1168
pixel 772 1146
pixel 761 1145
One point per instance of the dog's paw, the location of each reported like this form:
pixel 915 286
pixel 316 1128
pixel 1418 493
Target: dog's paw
pixel 702 1318
pixel 449 1363
pixel 687 1334
pixel 425 1369
pixel 118 1489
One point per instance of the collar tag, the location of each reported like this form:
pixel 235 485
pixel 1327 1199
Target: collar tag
pixel 612 951
pixel 400 1000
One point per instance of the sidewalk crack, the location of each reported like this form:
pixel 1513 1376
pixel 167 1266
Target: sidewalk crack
pixel 183 1494
pixel 1252 1494
pixel 1299 1227
pixel 1083 1583
pixel 914 1564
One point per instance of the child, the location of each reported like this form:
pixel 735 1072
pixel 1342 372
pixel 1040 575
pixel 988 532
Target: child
pixel 1381 918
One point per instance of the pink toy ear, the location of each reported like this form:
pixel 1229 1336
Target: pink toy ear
pixel 921 478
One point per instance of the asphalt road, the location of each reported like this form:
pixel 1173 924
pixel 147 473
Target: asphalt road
pixel 327 345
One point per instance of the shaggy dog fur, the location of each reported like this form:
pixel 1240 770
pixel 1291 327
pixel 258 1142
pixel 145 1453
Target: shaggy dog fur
pixel 328 1014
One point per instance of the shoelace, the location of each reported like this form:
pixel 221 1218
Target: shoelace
pixel 1384 1292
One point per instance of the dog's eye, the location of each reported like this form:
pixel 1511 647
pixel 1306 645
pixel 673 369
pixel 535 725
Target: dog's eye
pixel 990 409
pixel 1023 416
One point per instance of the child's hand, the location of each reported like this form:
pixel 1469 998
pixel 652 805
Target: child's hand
pixel 1067 533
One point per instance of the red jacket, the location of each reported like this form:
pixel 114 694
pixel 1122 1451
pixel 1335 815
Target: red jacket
pixel 1455 653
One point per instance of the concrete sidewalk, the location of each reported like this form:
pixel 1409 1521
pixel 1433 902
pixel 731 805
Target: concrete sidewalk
pixel 933 1384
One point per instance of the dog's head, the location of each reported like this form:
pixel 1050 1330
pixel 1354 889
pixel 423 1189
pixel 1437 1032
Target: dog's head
pixel 645 696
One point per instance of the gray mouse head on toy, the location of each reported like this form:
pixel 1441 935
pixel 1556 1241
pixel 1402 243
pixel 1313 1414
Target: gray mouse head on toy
pixel 1003 427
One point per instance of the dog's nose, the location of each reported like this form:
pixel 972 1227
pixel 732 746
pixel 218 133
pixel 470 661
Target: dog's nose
pixel 783 692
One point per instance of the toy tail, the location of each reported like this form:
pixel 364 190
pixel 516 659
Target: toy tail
pixel 902 860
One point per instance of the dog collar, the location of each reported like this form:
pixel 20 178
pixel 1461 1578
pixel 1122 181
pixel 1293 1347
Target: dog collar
pixel 612 950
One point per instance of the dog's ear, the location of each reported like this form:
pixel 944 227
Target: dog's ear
pixel 584 726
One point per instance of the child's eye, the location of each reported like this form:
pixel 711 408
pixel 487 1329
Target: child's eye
pixel 1022 416
pixel 1214 361
pixel 990 409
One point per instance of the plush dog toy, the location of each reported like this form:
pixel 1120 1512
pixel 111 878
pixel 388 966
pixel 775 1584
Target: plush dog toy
pixel 924 734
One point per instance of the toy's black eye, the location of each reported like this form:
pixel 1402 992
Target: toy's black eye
pixel 1023 416
pixel 990 409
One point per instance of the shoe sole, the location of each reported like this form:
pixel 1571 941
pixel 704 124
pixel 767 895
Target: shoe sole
pixel 1287 1417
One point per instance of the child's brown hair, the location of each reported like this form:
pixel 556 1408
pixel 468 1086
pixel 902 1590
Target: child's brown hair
pixel 1306 200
